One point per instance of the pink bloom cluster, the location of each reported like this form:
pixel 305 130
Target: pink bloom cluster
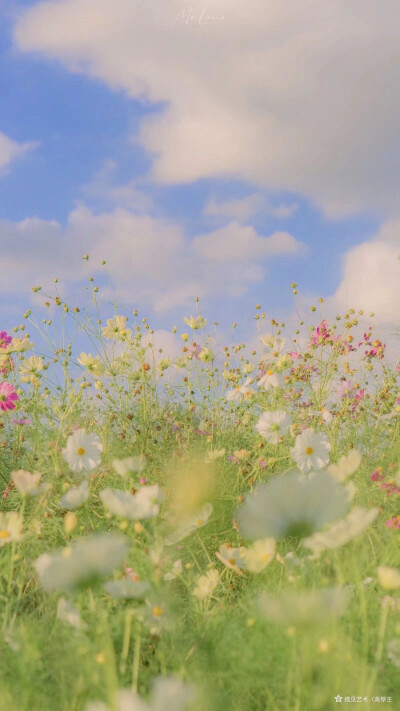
pixel 321 335
pixel 5 339
pixel 387 486
pixel 8 397
pixel 376 348
pixel 393 522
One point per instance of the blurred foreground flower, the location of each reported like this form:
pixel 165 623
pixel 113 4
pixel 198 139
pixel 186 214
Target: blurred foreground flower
pixel 292 505
pixel 129 464
pixel 84 561
pixel 189 524
pixel 75 496
pixel 168 694
pixel 389 578
pixel 10 527
pixel 27 483
pixel 341 532
pixel 304 607
pixel 206 584
pixel 144 504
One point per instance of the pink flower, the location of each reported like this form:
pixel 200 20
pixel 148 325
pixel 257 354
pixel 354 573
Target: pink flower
pixel 5 339
pixel 377 475
pixel 8 396
pixel 345 389
pixel 393 522
pixel 21 421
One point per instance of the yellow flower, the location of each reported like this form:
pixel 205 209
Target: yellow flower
pixel 30 368
pixel 116 329
pixel 92 363
pixel 389 578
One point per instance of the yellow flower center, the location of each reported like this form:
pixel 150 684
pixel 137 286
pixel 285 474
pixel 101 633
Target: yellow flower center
pixel 270 372
pixel 158 611
pixel 5 534
pixel 199 522
pixel 309 450
pixel 80 451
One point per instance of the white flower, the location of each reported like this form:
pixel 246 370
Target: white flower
pixel 116 329
pixel 129 464
pixel 233 395
pixel 83 451
pixel 142 505
pixel 27 483
pixel 292 505
pixel 10 527
pixel 175 572
pixel 271 380
pixel 86 559
pixel 311 450
pixel 168 694
pixel 273 425
pixel 75 496
pixel 189 524
pixel 206 584
pixel 341 532
pixel 231 557
pixel 389 578
pixel 304 607
pixel 216 454
pixel 259 555
pixel 346 466
pixel 67 612
pixel 92 364
pixel 274 345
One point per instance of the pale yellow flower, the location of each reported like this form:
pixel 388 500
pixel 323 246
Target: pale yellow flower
pixel 206 584
pixel 389 578
pixel 92 364
pixel 116 329
pixel 30 368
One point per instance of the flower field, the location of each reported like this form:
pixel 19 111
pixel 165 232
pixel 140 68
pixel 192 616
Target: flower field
pixel 211 529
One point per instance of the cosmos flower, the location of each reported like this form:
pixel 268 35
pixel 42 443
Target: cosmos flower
pixel 292 505
pixel 85 560
pixel 129 464
pixel 259 555
pixel 116 329
pixel 273 425
pixel 271 380
pixel 389 578
pixel 341 532
pixel 83 451
pixel 311 450
pixel 76 496
pixel 346 466
pixel 10 527
pixel 206 584
pixel 144 504
pixel 8 397
pixel 189 524
pixel 91 363
pixel 5 339
pixel 168 694
pixel 27 483
pixel 30 368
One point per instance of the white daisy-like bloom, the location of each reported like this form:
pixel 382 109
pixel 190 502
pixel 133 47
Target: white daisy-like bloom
pixel 233 395
pixel 311 450
pixel 129 464
pixel 271 380
pixel 274 345
pixel 273 425
pixel 292 505
pixel 177 569
pixel 190 523
pixel 259 555
pixel 86 559
pixel 168 694
pixel 144 504
pixel 231 557
pixel 304 607
pixel 206 584
pixel 341 532
pixel 11 524
pixel 92 364
pixel 389 578
pixel 116 329
pixel 346 466
pixel 28 484
pixel 67 612
pixel 76 496
pixel 83 451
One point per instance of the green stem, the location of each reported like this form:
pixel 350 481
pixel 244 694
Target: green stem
pixel 136 660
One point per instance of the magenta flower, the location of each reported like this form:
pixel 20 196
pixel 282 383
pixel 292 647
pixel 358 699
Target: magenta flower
pixel 393 522
pixel 5 339
pixel 8 396
pixel 21 421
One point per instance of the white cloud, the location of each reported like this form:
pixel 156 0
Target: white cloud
pixel 371 276
pixel 294 95
pixel 103 187
pixel 243 208
pixel 149 260
pixel 10 150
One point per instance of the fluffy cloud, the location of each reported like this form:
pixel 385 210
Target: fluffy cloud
pixel 10 150
pixel 293 95
pixel 149 260
pixel 371 276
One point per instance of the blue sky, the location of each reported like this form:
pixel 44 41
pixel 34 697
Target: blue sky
pixel 110 155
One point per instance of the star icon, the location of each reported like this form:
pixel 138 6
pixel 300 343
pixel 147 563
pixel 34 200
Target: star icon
pixel 338 699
